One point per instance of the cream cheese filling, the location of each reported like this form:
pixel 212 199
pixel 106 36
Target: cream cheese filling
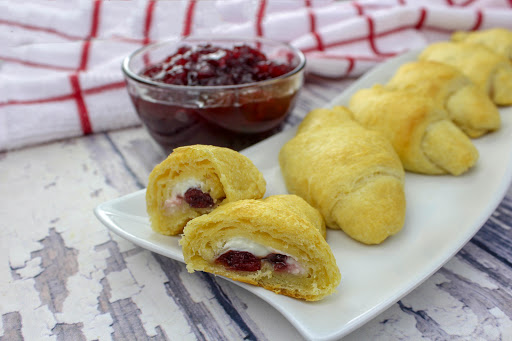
pixel 247 245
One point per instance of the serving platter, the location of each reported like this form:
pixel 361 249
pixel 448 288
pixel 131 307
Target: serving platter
pixel 443 214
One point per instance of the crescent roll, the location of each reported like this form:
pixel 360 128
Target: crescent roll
pixel 489 70
pixel 193 180
pixel 424 137
pixel 467 105
pixel 350 174
pixel 497 39
pixel 277 243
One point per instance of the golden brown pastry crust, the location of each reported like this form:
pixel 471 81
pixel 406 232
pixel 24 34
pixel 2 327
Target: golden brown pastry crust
pixel 421 132
pixel 497 39
pixel 467 105
pixel 350 174
pixel 284 223
pixel 223 173
pixel 300 208
pixel 489 70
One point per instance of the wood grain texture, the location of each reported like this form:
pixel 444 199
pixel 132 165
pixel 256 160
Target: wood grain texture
pixel 63 276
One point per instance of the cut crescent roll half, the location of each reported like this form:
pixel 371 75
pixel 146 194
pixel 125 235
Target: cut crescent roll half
pixel 490 71
pixel 497 39
pixel 193 180
pixel 468 106
pixel 350 174
pixel 421 132
pixel 277 243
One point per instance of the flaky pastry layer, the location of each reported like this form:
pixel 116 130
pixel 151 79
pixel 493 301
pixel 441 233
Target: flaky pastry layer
pixel 220 173
pixel 350 174
pixel 285 224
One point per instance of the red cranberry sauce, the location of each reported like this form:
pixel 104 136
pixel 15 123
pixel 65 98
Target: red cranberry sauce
pixel 196 198
pixel 236 118
pixel 212 65
pixel 246 261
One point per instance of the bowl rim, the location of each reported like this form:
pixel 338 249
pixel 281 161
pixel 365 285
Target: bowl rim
pixel 134 76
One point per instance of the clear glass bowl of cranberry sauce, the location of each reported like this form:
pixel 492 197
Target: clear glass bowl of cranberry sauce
pixel 223 91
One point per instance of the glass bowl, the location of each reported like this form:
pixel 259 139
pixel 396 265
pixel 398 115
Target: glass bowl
pixel 234 116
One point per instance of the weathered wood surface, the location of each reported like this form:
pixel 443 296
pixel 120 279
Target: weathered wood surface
pixel 63 276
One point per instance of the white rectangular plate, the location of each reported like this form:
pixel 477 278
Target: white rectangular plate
pixel 443 213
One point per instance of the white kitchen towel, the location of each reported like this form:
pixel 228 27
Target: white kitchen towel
pixel 60 61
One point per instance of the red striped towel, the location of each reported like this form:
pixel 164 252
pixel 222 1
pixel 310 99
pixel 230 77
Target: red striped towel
pixel 60 61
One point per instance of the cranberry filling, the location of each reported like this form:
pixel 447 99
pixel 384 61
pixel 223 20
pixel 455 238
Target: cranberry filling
pixel 278 260
pixel 246 261
pixel 198 199
pixel 239 260
pixel 212 65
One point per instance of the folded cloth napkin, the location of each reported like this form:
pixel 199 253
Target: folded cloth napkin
pixel 60 61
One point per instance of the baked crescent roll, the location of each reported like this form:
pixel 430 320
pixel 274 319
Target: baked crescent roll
pixel 193 180
pixel 424 137
pixel 467 105
pixel 275 243
pixel 489 70
pixel 350 174
pixel 497 39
